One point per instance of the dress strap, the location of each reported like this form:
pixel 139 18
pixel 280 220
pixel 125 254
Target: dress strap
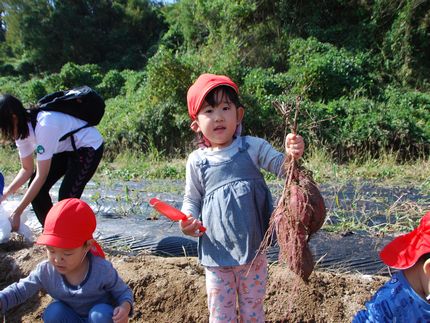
pixel 202 164
pixel 243 146
pixel 202 160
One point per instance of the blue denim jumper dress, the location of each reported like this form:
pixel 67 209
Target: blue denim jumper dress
pixel 236 209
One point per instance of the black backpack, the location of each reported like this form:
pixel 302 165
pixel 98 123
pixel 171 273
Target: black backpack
pixel 81 102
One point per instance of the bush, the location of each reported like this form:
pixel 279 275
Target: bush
pixel 153 113
pixel 53 83
pixel 261 87
pixel 323 73
pixel 166 127
pixel 11 85
pixel 25 67
pixel 111 85
pixel 119 125
pixel 7 69
pixel 72 75
pixel 33 90
pixel 134 82
pixel 167 79
pixel 28 92
pixel 352 126
pixel 408 113
pixel 399 121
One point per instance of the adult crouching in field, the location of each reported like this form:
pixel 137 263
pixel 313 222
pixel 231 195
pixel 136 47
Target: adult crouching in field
pixel 76 158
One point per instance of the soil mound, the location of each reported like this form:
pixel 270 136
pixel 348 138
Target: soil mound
pixel 173 289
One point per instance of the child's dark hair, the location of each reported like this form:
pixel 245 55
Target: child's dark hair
pixel 213 99
pixel 9 106
pixel 231 94
pixel 424 257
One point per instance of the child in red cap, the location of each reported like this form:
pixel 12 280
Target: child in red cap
pixel 227 192
pixel 85 286
pixel 405 298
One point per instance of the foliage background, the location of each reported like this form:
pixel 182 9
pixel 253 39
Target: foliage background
pixel 361 67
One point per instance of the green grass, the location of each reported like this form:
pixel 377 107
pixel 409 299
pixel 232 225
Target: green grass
pixel 386 169
pixel 9 160
pixel 131 166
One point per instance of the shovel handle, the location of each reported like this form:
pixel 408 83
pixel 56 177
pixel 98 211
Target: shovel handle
pixel 170 212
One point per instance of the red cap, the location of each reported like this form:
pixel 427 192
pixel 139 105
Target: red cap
pixel 68 224
pixel 201 87
pixel 404 251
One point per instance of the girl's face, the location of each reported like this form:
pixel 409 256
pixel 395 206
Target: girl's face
pixel 66 261
pixel 218 123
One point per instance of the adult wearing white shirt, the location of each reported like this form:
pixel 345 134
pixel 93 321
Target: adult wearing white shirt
pixel 76 158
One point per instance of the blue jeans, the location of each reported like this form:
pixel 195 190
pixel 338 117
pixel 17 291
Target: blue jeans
pixel 58 312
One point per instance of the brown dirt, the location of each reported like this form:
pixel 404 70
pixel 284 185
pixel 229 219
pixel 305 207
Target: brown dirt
pixel 173 289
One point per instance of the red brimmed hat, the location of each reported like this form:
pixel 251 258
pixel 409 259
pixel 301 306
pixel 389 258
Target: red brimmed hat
pixel 404 251
pixel 201 87
pixel 68 224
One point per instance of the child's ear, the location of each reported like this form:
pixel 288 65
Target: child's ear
pixel 426 267
pixel 240 112
pixel 88 244
pixel 195 126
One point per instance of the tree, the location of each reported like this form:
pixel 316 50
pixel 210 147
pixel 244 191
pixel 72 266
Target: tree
pixel 50 33
pixel 404 41
pixel 2 24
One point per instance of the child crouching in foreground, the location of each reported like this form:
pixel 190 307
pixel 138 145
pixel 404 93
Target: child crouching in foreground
pixel 85 287
pixel 405 298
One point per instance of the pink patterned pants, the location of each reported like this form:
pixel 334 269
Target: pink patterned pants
pixel 237 291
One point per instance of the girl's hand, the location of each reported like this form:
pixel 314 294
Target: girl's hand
pixel 294 145
pixel 190 227
pixel 120 313
pixel 15 220
pixel 5 195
